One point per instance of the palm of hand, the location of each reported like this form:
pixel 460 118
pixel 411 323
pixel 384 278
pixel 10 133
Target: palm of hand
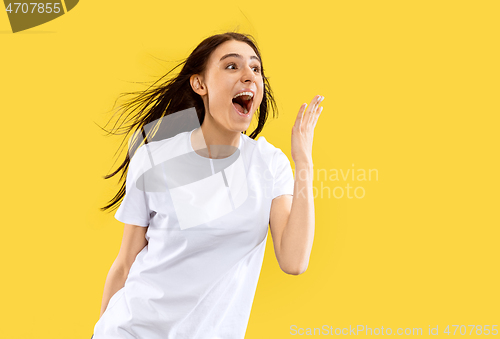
pixel 303 131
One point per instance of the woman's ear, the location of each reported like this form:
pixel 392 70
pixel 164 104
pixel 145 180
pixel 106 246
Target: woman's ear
pixel 197 84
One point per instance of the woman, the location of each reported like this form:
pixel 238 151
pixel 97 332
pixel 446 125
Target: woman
pixel 190 269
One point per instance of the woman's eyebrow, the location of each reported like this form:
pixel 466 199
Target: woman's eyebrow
pixel 236 55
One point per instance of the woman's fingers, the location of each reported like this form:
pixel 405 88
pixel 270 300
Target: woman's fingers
pixel 310 109
pixel 313 109
pixel 298 120
pixel 316 117
pixel 310 115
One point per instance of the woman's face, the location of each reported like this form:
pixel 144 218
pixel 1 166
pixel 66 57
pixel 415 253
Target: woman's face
pixel 233 67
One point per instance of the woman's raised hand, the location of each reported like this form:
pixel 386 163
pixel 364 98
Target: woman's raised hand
pixel 303 131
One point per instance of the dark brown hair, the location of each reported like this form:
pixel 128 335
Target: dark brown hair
pixel 174 95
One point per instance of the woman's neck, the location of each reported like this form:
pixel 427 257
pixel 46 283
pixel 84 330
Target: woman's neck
pixel 221 144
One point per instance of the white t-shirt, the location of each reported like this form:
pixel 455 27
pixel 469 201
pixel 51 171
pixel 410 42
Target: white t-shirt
pixel 195 280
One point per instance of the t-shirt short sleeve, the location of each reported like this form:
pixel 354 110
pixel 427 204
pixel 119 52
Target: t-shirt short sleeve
pixel 283 175
pixel 134 208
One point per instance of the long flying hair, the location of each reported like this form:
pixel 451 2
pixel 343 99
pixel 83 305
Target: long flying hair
pixel 176 94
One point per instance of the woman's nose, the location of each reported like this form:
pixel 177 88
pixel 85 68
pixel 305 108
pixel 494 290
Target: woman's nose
pixel 249 75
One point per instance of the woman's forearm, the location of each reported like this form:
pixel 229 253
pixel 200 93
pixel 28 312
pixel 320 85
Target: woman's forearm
pixel 298 235
pixel 114 282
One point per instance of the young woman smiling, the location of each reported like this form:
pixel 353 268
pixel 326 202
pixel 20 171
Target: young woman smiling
pixel 172 279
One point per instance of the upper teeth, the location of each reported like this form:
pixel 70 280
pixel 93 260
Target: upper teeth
pixel 244 93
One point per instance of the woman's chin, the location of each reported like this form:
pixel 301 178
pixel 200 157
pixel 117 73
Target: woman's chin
pixel 242 120
pixel 241 127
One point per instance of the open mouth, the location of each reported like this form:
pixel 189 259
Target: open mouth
pixel 243 103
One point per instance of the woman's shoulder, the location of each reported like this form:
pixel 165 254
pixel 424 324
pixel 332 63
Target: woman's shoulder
pixel 158 151
pixel 264 147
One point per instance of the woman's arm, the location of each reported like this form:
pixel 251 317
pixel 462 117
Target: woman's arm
pixel 132 243
pixel 114 282
pixel 292 218
pixel 292 224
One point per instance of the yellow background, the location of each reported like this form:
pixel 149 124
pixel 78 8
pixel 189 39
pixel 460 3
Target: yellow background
pixel 411 90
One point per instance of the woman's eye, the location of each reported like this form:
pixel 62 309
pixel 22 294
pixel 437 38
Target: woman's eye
pixel 256 67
